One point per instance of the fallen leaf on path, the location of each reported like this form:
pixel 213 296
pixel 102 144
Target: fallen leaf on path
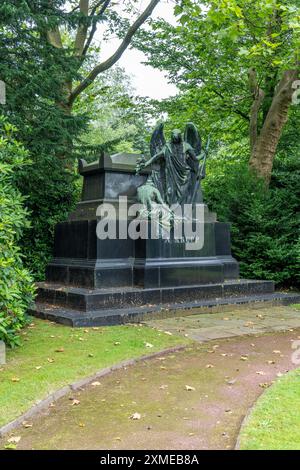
pixel 264 385
pixel 75 402
pixel 26 425
pixel 14 439
pixel 231 382
pixel 276 351
pixel 135 416
pixel 10 446
pixel 271 362
pixel 189 388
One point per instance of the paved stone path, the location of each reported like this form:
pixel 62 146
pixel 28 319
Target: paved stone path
pixel 193 399
pixel 244 321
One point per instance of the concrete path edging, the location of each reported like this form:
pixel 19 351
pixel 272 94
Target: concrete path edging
pixel 78 384
pixel 244 423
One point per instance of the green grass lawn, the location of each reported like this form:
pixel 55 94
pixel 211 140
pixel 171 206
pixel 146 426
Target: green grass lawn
pixel 274 423
pixel 52 356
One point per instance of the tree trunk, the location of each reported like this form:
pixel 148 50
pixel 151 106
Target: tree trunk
pixel 263 152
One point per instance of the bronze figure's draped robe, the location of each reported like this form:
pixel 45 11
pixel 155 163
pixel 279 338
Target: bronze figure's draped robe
pixel 179 171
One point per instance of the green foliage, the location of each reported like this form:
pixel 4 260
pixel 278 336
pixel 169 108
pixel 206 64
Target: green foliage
pixel 209 52
pixel 207 55
pixel 16 288
pixel 52 192
pixel 265 223
pixel 35 74
pixel 115 120
pixel 38 79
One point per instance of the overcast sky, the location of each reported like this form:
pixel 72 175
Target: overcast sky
pixel 146 80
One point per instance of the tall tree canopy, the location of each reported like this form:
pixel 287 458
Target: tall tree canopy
pixel 234 57
pixel 49 57
pixel 80 19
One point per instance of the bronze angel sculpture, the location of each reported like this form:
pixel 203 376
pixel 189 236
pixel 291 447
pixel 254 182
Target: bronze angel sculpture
pixel 177 168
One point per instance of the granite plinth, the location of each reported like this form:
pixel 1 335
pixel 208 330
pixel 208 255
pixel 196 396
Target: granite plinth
pixel 93 307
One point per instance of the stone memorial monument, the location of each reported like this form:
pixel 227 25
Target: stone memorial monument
pixel 101 275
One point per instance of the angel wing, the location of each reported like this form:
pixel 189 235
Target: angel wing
pixel 158 140
pixel 192 137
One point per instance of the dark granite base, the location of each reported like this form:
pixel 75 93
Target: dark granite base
pixel 118 316
pixel 84 260
pixel 82 307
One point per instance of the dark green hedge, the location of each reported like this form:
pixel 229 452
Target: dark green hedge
pixel 16 287
pixel 265 222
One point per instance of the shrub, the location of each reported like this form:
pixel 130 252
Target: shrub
pixel 265 222
pixel 16 287
pixel 51 192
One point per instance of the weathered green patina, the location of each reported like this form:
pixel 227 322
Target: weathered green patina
pixel 177 168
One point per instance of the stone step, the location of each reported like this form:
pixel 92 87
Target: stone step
pixel 103 317
pixel 87 300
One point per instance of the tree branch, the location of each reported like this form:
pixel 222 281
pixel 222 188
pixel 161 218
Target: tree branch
pixel 82 28
pixel 94 23
pixel 54 38
pixel 258 97
pixel 116 56
pixel 232 107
